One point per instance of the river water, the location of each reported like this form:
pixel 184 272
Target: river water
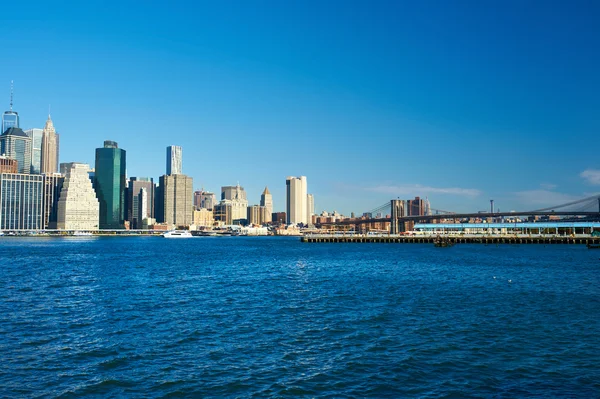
pixel 272 317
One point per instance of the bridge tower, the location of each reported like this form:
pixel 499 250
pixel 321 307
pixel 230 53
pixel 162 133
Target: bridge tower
pixel 398 211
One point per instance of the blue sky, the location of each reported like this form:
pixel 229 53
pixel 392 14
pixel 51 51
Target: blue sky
pixel 457 101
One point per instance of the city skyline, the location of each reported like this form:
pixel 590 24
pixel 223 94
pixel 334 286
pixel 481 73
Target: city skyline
pixel 475 113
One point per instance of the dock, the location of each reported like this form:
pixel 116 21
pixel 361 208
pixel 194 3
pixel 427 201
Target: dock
pixel 535 240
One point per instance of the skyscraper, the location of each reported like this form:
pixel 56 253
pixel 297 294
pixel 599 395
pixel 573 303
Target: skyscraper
pixel 236 196
pixel 21 201
pixel 310 204
pixel 415 207
pixel 135 215
pixel 36 149
pixel 177 191
pixel 174 160
pixel 53 184
pixel 266 200
pixel 296 200
pixel 78 207
pixel 110 185
pixel 10 118
pixel 15 144
pixel 49 153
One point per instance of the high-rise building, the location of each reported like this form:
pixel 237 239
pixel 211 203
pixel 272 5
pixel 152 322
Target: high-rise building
pixel 296 200
pixel 36 149
pixel 10 118
pixel 223 212
pixel 310 206
pixel 266 200
pixel 134 206
pixel 257 214
pixel 53 184
pixel 177 191
pixel 78 207
pixel 110 185
pixel 204 199
pixel 236 196
pixel 49 153
pixel 21 201
pixel 8 165
pixel 15 144
pixel 174 160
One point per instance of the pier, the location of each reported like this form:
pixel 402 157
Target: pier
pixel 535 240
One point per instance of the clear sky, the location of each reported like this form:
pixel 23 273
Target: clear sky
pixel 460 101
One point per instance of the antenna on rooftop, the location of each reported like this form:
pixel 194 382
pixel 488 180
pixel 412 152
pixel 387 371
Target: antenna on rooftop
pixel 11 93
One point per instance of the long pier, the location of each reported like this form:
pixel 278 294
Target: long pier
pixel 456 240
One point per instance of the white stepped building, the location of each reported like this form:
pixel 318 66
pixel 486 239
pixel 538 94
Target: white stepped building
pixel 78 207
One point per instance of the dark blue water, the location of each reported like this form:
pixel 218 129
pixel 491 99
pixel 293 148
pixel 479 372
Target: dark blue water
pixel 272 317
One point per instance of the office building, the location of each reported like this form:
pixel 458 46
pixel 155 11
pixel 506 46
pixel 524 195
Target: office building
pixel 278 218
pixel 296 200
pixel 36 149
pixel 204 200
pixel 21 201
pixel 236 197
pixel 138 211
pixel 310 206
pixel 266 200
pixel 53 184
pixel 177 191
pixel 174 160
pixel 257 214
pixel 15 144
pixel 8 165
pixel 50 148
pixel 415 207
pixel 223 212
pixel 110 185
pixel 78 207
pixel 10 119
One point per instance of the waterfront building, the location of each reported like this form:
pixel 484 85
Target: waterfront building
pixel 15 144
pixel 204 200
pixel 21 201
pixel 236 196
pixel 310 204
pixel 53 184
pixel 257 214
pixel 50 148
pixel 174 160
pixel 8 165
pixel 139 208
pixel 36 149
pixel 78 207
pixel 266 200
pixel 10 118
pixel 296 200
pixel 203 218
pixel 110 185
pixel 177 191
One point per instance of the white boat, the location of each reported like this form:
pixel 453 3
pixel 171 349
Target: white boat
pixel 178 234
pixel 82 233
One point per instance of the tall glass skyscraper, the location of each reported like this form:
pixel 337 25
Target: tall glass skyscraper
pixel 15 144
pixel 110 185
pixel 10 118
pixel 174 157
pixel 36 149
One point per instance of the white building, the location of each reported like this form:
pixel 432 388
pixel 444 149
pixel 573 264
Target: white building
pixel 236 197
pixel 78 207
pixel 174 160
pixel 310 203
pixel 296 200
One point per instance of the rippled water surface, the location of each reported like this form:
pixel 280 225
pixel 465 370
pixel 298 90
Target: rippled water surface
pixel 272 317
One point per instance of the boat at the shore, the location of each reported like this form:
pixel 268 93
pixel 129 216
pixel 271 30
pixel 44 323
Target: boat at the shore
pixel 178 234
pixel 81 234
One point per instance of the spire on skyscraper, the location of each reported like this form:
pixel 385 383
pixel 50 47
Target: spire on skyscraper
pixel 11 94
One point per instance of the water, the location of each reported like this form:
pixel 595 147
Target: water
pixel 272 317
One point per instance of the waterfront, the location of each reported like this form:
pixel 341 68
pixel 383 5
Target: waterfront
pixel 270 316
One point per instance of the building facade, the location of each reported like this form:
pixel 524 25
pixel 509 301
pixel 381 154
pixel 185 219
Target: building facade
pixel 8 165
pixel 15 144
pixel 266 200
pixel 36 149
pixel 204 200
pixel 78 207
pixel 310 206
pixel 415 207
pixel 174 160
pixel 203 218
pixel 177 191
pixel 50 149
pixel 296 200
pixel 21 201
pixel 139 208
pixel 110 185
pixel 53 184
pixel 236 197
pixel 257 214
